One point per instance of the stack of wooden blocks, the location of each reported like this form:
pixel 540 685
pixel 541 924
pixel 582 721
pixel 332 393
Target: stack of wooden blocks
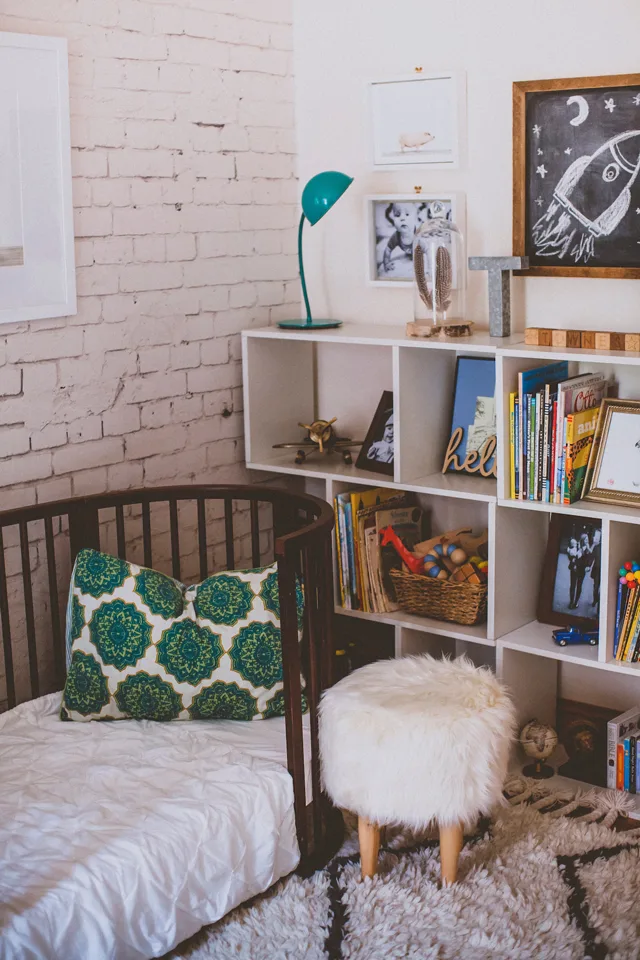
pixel 582 339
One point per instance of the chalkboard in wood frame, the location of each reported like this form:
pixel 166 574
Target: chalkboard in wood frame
pixel 576 176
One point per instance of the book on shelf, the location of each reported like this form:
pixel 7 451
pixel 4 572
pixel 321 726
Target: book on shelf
pixel 363 565
pixel 552 421
pixel 621 731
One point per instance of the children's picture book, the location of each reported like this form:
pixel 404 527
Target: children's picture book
pixel 474 406
pixel 581 428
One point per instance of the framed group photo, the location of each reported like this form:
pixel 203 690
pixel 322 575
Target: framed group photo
pixel 392 221
pixel 570 583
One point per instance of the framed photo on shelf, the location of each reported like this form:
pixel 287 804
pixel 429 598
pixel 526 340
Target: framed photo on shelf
pixel 377 451
pixel 473 419
pixel 415 119
pixel 570 582
pixel 392 221
pixel 616 470
pixel 576 146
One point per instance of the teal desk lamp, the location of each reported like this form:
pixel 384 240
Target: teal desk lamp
pixel 318 197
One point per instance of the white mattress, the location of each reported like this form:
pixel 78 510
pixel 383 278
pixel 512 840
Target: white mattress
pixel 119 840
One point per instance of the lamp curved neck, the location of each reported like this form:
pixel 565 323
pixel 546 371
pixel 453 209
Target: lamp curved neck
pixel 301 266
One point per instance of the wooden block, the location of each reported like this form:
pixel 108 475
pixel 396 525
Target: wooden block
pixel 617 341
pixel 537 337
pixel 565 338
pixel 544 338
pixel 587 340
pixel 603 341
pixel 632 342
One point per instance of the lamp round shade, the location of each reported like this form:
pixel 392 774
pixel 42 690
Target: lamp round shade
pixel 321 192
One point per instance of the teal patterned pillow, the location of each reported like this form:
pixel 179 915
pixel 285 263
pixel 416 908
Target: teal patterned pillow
pixel 143 646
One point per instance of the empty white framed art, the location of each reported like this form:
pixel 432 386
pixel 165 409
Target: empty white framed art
pixel 37 266
pixel 417 119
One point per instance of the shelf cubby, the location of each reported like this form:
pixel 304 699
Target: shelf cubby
pixel 292 375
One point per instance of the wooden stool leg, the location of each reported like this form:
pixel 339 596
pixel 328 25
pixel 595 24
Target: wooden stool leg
pixel 369 838
pixel 451 839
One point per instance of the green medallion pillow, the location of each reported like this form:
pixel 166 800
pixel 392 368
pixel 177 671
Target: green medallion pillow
pixel 142 646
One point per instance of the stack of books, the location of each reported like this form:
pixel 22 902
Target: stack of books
pixel 552 421
pixel 363 565
pixel 623 746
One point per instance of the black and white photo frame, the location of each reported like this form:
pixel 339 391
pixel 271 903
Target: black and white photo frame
pixel 392 221
pixel 416 119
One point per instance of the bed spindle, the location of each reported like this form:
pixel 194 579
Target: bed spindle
pixel 293 693
pixel 6 629
pixel 175 540
pixel 255 533
pixel 309 574
pixel 202 538
pixel 121 542
pixel 228 532
pixel 28 609
pixel 146 534
pixel 54 605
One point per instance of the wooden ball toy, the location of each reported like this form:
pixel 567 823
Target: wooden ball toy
pixel 433 569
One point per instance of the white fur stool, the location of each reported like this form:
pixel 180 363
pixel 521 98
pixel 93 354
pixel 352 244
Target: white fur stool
pixel 415 741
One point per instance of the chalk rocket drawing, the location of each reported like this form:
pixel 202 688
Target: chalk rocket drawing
pixel 589 200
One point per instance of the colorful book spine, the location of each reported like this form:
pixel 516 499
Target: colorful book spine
pixel 626 767
pixel 620 603
pixel 512 446
pixel 516 420
pixel 633 753
pixel 637 764
pixel 620 767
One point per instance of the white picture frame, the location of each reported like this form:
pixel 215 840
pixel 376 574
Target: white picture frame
pixel 382 233
pixel 416 119
pixel 37 263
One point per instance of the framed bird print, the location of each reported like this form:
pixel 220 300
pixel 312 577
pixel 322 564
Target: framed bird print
pixel 576 176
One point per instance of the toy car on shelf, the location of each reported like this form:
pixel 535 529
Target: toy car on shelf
pixel 567 635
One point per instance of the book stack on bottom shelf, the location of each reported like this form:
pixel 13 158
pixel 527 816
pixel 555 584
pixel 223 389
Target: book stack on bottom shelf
pixel 623 746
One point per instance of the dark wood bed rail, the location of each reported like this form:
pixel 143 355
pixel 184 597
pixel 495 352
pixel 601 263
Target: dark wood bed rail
pixel 301 526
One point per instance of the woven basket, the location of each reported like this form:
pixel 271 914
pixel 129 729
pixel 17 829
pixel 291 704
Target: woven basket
pixel 440 599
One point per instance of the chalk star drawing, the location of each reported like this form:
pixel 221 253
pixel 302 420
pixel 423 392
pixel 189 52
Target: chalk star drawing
pixel 610 105
pixel 569 151
pixel 539 201
pixel 537 130
pixel 542 170
pixel 539 152
pixel 637 209
pixel 636 99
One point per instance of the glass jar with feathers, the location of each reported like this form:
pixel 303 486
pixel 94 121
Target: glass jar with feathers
pixel 439 267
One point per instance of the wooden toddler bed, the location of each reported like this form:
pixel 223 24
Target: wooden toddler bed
pixel 121 839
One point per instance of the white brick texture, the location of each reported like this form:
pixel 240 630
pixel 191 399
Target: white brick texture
pixel 185 211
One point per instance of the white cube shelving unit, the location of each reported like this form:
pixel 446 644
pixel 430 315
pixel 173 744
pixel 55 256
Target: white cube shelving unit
pixel 292 376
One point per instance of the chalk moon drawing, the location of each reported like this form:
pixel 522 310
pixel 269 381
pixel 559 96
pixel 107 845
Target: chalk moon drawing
pixel 583 110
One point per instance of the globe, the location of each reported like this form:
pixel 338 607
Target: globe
pixel 538 740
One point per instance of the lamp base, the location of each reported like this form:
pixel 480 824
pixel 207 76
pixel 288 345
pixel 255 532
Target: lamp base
pixel 309 325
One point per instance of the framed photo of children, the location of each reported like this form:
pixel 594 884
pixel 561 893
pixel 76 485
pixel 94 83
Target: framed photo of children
pixel 377 451
pixel 616 473
pixel 392 221
pixel 570 583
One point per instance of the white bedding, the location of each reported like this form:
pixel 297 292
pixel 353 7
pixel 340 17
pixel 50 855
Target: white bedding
pixel 119 840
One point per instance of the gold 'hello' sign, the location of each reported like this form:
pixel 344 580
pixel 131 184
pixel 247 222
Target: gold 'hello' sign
pixel 475 461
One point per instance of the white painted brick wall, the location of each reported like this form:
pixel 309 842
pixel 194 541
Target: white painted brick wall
pixel 185 213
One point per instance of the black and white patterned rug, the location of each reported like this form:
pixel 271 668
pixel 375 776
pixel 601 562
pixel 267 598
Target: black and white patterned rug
pixel 545 879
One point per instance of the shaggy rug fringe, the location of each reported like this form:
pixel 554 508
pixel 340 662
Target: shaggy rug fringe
pixel 545 879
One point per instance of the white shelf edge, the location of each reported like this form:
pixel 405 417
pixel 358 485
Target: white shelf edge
pixel 373 480
pixel 439 628
pixel 585 508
